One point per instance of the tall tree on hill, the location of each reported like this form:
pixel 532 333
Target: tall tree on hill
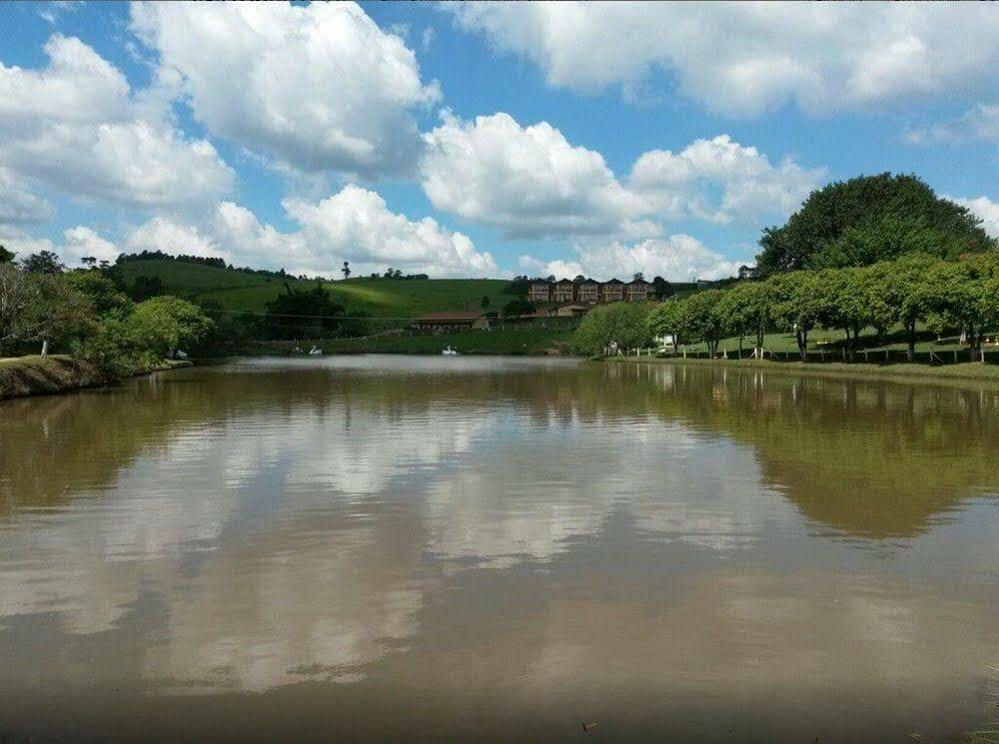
pixel 44 262
pixel 5 255
pixel 868 219
pixel 346 269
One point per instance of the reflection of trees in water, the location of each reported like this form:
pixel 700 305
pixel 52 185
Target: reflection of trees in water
pixel 874 459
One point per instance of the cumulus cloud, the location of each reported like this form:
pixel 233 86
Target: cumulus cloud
pixel 744 59
pixel 76 126
pixel 176 238
pixel 677 258
pixel 529 181
pixel 981 122
pixel 357 222
pixel 317 87
pixel 77 243
pixel 354 225
pixel 680 183
pixel 18 203
pixel 983 208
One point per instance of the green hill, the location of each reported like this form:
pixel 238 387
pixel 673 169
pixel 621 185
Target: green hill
pixel 237 290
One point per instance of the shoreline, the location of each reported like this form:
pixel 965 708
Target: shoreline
pixel 900 372
pixel 29 376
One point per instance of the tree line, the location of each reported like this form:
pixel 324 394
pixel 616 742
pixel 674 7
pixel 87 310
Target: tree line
pixel 882 252
pixel 914 292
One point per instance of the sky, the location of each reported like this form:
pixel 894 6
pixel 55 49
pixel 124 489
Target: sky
pixel 477 140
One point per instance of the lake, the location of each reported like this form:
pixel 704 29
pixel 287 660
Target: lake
pixel 400 548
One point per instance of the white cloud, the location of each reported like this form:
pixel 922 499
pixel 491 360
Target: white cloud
pixel 677 258
pixel 980 122
pixel 76 126
pixel 176 238
pixel 529 181
pixel 354 224
pixel 357 224
pixel 983 208
pixel 318 86
pixel 17 203
pixel 681 183
pixel 77 242
pixel 747 58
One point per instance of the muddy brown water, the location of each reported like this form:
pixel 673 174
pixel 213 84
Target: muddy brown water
pixel 403 548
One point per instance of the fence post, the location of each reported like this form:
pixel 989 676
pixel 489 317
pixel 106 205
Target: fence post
pixel 865 356
pixel 955 356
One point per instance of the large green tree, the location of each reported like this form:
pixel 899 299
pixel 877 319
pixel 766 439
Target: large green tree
pixel 623 323
pixel 797 305
pixel 161 324
pixel 701 319
pixel 38 307
pixel 748 310
pixel 867 219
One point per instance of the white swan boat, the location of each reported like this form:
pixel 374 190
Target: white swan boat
pixel 315 351
pixel 449 352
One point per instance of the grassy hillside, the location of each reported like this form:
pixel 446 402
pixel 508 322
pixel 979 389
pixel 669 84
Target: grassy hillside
pixel 236 290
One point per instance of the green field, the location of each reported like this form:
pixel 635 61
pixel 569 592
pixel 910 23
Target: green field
pixel 528 340
pixel 397 298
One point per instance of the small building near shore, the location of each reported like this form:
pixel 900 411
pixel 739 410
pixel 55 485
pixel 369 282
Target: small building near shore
pixel 449 322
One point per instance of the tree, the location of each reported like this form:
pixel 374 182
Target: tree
pixel 664 320
pixel 484 303
pixel 701 320
pixel 841 302
pixel 875 294
pixel 956 299
pixel 661 288
pixel 89 262
pixel 910 294
pixel 6 256
pixel 145 287
pixel 797 305
pixel 105 298
pixel 747 310
pixel 44 262
pixel 39 307
pixel 160 325
pixel 871 214
pixel 638 276
pixel 298 313
pixel 346 269
pixel 518 306
pixel 623 323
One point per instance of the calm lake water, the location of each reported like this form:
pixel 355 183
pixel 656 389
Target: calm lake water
pixel 428 548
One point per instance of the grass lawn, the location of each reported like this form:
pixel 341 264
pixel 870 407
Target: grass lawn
pixel 833 341
pixel 236 290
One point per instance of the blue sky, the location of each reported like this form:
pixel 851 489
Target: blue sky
pixel 476 140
